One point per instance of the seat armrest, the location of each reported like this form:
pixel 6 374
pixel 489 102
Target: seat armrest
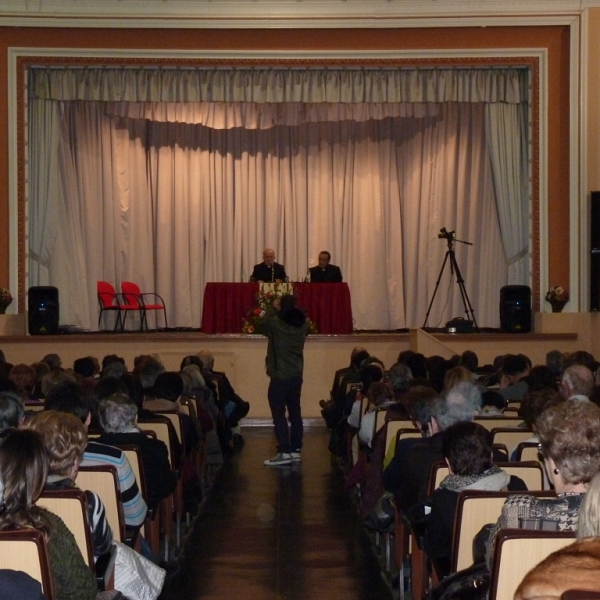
pixel 131 535
pixel 105 569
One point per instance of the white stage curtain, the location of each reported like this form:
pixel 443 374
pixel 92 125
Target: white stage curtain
pixel 172 205
pixel 506 134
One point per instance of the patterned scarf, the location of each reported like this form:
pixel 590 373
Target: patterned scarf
pixel 492 480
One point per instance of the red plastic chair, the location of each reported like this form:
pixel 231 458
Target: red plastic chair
pixel 133 296
pixel 110 300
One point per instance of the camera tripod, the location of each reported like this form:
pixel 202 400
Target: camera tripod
pixel 450 258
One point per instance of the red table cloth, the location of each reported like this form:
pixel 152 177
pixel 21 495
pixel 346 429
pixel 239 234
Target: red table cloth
pixel 226 305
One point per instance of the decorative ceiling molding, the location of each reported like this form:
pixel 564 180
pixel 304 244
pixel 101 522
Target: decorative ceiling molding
pixel 258 14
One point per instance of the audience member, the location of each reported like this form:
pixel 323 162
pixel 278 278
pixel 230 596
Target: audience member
pixel 118 418
pixel 400 378
pixel 575 567
pixel 53 361
pixel 55 378
pixel 369 374
pixel 12 410
pixel 41 370
pixel 23 472
pixel 228 401
pixel 113 366
pixel 64 437
pixel 492 403
pixel 541 376
pixel 85 370
pixel 380 396
pixel 351 368
pixel 457 375
pixel 577 383
pixel 17 585
pixel 535 402
pixel 513 383
pixel 467 449
pixel 470 361
pixel 410 475
pixel 69 398
pixel 569 435
pixel 554 362
pixel 23 376
pixel 165 395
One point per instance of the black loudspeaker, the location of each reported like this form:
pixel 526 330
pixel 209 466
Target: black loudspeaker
pixel 595 257
pixel 515 309
pixel 43 310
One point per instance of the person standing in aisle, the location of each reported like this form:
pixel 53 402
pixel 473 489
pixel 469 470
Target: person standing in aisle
pixel 286 327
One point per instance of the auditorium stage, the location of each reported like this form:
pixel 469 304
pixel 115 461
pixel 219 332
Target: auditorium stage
pixel 242 356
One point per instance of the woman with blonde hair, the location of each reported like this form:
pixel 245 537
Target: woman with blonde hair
pixel 457 375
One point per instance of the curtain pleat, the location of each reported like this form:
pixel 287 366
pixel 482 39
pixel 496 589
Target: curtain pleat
pixel 172 206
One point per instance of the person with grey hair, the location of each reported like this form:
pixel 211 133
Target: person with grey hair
pixel 577 383
pixel 53 361
pixel 118 418
pixel 233 407
pixel 12 410
pixel 400 376
pixel 149 370
pixel 460 403
pixel 456 405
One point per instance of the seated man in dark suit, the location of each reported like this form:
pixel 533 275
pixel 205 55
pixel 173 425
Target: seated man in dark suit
pixel 268 270
pixel 324 272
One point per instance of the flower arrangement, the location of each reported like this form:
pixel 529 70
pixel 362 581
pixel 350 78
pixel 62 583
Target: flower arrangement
pixel 252 319
pixel 558 297
pixel 5 299
pixel 557 294
pixel 266 296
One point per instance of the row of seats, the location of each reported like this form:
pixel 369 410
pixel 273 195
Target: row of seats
pixel 517 550
pixel 26 550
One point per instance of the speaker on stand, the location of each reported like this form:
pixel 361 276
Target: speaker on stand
pixel 515 309
pixel 43 310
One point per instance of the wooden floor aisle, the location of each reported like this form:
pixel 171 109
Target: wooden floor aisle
pixel 285 533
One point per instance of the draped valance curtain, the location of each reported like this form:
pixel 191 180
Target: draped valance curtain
pixel 281 85
pixel 173 177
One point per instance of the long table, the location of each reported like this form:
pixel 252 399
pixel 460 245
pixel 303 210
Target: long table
pixel 327 304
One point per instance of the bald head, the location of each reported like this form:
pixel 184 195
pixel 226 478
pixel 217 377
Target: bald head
pixel 269 256
pixel 577 380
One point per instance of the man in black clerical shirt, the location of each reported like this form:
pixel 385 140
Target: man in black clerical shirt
pixel 324 272
pixel 268 270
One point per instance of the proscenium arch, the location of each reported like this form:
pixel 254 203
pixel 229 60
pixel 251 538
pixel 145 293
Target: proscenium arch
pixel 534 61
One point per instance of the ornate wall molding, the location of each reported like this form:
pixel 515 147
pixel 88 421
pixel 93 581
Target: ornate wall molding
pixel 258 14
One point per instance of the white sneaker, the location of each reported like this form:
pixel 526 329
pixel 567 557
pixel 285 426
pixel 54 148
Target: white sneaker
pixel 296 456
pixel 283 458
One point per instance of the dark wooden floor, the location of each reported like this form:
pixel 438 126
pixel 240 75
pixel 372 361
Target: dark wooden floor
pixel 279 533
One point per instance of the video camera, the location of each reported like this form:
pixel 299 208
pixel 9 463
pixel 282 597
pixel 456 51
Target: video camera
pixel 447 235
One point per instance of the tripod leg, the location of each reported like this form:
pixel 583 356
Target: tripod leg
pixel 463 292
pixel 437 285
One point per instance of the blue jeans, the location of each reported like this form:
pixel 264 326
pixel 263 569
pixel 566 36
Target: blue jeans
pixel 285 394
